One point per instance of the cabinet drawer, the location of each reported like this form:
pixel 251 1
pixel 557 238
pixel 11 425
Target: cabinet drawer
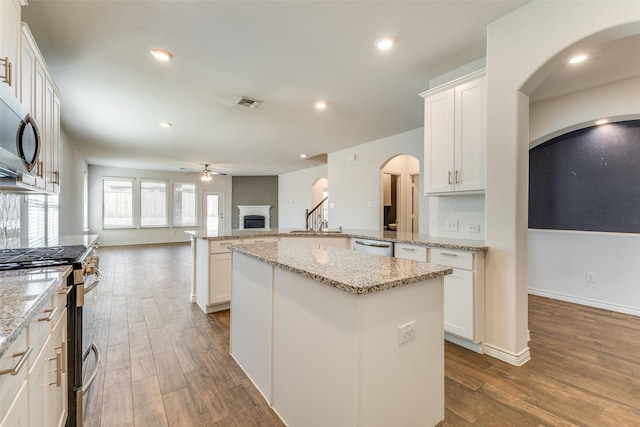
pixel 220 246
pixel 260 240
pixel 10 384
pixel 414 252
pixel 41 326
pixel 452 258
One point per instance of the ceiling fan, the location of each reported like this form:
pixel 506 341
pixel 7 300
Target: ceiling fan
pixel 206 174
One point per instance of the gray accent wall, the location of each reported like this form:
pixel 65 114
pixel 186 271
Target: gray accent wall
pixel 254 190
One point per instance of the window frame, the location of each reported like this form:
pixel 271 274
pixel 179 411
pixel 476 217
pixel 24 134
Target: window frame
pixel 133 216
pixel 195 205
pixel 166 202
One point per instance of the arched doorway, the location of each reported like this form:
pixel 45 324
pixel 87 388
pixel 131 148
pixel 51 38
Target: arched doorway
pixel 399 194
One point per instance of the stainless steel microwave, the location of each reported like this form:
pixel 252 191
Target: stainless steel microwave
pixel 20 146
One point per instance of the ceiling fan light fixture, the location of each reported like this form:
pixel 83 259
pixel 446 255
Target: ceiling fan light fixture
pixel 206 174
pixel 206 178
pixel 385 43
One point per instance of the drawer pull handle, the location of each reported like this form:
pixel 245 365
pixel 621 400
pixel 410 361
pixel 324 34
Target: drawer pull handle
pixel 449 179
pixel 408 249
pixel 49 318
pixel 373 245
pixel 25 355
pixel 7 70
pixel 58 359
pixel 449 254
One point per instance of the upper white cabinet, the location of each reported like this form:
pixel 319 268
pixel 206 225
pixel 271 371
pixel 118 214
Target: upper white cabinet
pixel 455 136
pixel 9 42
pixel 40 94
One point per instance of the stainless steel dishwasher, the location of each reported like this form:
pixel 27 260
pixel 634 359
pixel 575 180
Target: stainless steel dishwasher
pixel 375 247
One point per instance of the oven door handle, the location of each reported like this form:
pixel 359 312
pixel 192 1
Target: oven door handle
pixel 95 283
pixel 80 392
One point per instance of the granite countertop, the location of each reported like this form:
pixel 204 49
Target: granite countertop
pixel 389 236
pixel 22 294
pixel 354 272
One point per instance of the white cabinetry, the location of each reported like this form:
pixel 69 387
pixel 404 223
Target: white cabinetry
pixel 464 315
pixel 36 395
pixel 39 93
pixel 213 272
pixel 14 408
pixel 454 136
pixel 335 242
pixel 9 36
pixel 408 251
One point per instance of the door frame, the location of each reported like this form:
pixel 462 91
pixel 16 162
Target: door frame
pixel 203 212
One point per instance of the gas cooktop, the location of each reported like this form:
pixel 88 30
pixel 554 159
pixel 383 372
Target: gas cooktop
pixel 13 259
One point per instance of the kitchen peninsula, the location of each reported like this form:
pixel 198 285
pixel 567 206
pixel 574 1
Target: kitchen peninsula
pixel 336 337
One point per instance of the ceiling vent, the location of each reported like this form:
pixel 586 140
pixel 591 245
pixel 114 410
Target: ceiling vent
pixel 248 102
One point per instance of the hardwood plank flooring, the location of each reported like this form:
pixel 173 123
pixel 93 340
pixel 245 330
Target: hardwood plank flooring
pixel 165 363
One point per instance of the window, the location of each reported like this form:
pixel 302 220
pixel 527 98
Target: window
pixel 117 199
pixel 184 205
pixel 153 204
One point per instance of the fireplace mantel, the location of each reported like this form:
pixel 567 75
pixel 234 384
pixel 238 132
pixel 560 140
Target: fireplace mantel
pixel 262 210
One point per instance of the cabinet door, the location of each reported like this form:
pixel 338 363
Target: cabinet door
pixel 18 412
pixel 39 379
pixel 48 135
pixel 439 139
pixel 27 72
pixel 9 43
pixel 58 374
pixel 470 136
pixel 220 278
pixel 458 304
pixel 38 112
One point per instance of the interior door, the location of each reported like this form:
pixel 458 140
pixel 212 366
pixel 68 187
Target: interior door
pixel 213 212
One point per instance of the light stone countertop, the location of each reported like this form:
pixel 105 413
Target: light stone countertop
pixel 22 294
pixel 354 272
pixel 389 236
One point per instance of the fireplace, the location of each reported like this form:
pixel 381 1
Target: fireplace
pixel 254 221
pixel 255 217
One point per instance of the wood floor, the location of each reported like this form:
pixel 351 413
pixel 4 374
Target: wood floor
pixel 166 363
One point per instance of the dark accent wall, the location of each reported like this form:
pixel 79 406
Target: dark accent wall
pixel 587 180
pixel 254 190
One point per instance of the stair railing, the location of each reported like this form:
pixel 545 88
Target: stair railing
pixel 315 217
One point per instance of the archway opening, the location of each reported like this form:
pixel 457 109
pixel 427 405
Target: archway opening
pixel 399 194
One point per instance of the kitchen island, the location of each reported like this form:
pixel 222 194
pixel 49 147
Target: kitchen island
pixel 335 337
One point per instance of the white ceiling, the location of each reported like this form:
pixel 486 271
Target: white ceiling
pixel 289 54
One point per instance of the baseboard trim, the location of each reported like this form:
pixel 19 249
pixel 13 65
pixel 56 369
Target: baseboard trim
pixel 473 346
pixel 516 359
pixel 586 301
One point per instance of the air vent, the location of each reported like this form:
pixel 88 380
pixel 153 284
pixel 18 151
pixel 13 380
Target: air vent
pixel 249 102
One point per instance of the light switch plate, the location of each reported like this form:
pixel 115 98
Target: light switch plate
pixel 473 228
pixel 452 226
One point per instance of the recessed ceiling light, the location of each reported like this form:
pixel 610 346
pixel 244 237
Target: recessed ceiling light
pixel 321 105
pixel 385 44
pixel 165 124
pixel 161 55
pixel 577 59
pixel 303 156
pixel 602 122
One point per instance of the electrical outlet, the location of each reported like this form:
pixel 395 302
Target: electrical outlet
pixel 591 277
pixel 452 226
pixel 332 205
pixel 406 332
pixel 473 228
pixel 369 204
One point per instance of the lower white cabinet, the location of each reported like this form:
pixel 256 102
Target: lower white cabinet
pixel 213 272
pixel 36 395
pixel 464 315
pixel 408 251
pixel 336 242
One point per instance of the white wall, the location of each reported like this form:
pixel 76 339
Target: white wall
pixel 71 197
pixel 137 235
pixel 354 186
pixel 558 260
pixel 522 49
pixel 295 195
